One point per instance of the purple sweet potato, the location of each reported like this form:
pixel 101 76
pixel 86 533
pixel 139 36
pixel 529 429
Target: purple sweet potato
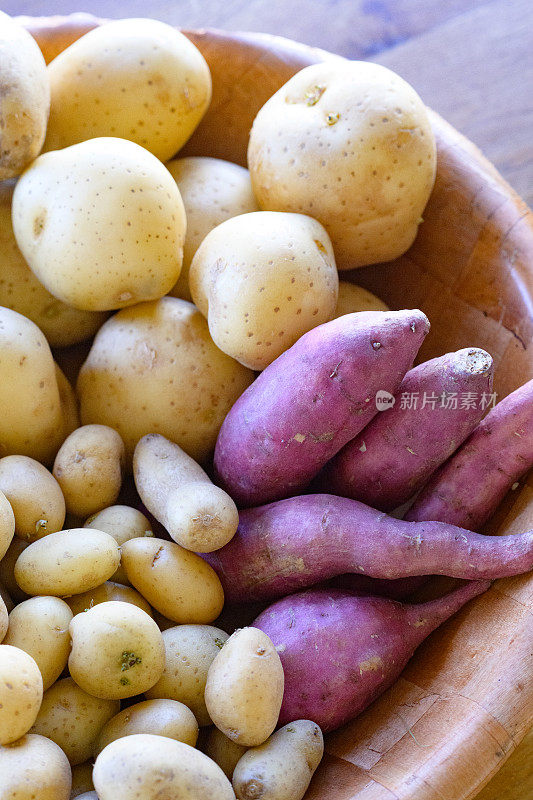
pixel 311 401
pixel 339 651
pixel 438 404
pixel 467 489
pixel 292 544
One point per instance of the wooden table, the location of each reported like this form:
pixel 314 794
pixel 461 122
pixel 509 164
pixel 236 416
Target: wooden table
pixel 471 60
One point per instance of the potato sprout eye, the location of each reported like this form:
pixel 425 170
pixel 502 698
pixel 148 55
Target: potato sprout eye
pixel 314 94
pixel 129 660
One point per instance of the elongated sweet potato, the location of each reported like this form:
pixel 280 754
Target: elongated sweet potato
pixel 312 400
pixel 292 544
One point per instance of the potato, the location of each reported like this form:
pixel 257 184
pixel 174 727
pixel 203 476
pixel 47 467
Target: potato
pixel 24 98
pixel 354 298
pixel 35 497
pixel 122 523
pixel 68 402
pixel 89 468
pixel 7 569
pixel 73 719
pixel 101 224
pixel 244 687
pixel 135 78
pixel 155 369
pixel 4 618
pixel 67 562
pixel 117 650
pixel 223 751
pixel 178 583
pixel 103 594
pixel 82 779
pixel 282 767
pixel 212 191
pixel 262 280
pixel 21 692
pixel 189 652
pixel 159 717
pixel 39 626
pixel 350 143
pixel 155 767
pixel 34 764
pixel 7 523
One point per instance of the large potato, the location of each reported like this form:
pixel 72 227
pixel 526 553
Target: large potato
pixel 35 497
pixel 21 693
pixel 7 523
pixel 103 594
pixel 122 523
pixel 212 190
pixel 262 280
pixel 24 98
pixel 34 767
pixel 135 78
pixel 350 143
pixel 101 224
pixel 154 369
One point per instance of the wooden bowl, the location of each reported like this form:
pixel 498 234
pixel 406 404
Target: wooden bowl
pixel 466 699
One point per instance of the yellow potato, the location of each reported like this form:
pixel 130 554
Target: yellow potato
pixel 34 768
pixel 39 626
pixel 212 190
pixel 24 98
pixel 73 719
pixel 189 652
pixel 104 594
pixel 117 650
pixel 122 523
pixel 82 779
pixel 7 569
pixel 175 489
pixel 135 78
pixel 223 751
pixel 21 693
pixel 350 143
pixel 262 280
pixel 35 497
pixel 155 767
pixel 354 298
pixel 244 687
pixel 159 717
pixel 178 583
pixel 282 767
pixel 67 562
pixel 154 369
pixel 101 224
pixel 7 522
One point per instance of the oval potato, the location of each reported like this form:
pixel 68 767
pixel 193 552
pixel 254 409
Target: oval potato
pixel 122 523
pixel 104 593
pixel 21 693
pixel 35 496
pixel 34 763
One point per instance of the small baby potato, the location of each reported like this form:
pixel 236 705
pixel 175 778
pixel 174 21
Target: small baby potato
pixel 73 719
pixel 122 523
pixel 178 583
pixel 212 190
pixel 34 763
pixel 82 780
pixel 152 767
pixel 35 496
pixel 104 594
pixel 282 767
pixel 117 650
pixel 262 280
pixel 244 687
pixel 89 468
pixel 4 618
pixel 39 626
pixel 7 570
pixel 159 717
pixel 7 523
pixel 135 78
pixel 197 514
pixel 21 693
pixel 64 202
pixel 223 751
pixel 354 298
pixel 189 652
pixel 24 98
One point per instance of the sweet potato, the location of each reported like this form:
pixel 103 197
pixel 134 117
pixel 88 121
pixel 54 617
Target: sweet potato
pixel 340 651
pixel 312 400
pixel 469 487
pixel 438 404
pixel 292 544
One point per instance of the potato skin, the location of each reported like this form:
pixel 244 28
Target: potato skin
pixel 4 618
pixel 34 762
pixel 223 751
pixel 122 523
pixel 7 524
pixel 354 298
pixel 35 497
pixel 103 594
pixel 21 692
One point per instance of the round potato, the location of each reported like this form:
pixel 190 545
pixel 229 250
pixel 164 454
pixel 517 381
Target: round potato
pixel 82 779
pixel 155 369
pixel 354 298
pixel 39 626
pixel 7 523
pixel 34 764
pixel 189 652
pixel 350 143
pixel 117 650
pixel 244 687
pixel 151 767
pixel 67 562
pixel 212 190
pixel 7 569
pixel 73 719
pixel 262 280
pixel 35 497
pixel 21 693
pixel 24 98
pixel 104 593
pixel 101 224
pixel 122 523
pixel 223 751
pixel 135 78
pixel 178 583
